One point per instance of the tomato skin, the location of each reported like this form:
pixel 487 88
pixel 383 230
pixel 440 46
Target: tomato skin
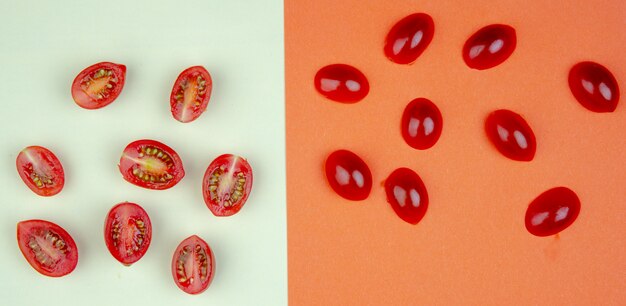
pixel 552 211
pixel 124 219
pixel 116 81
pixel 348 175
pixel 40 170
pixel 32 233
pixel 227 169
pixel 143 166
pixel 405 31
pixel 511 135
pixel 201 254
pixel 202 86
pixel 404 185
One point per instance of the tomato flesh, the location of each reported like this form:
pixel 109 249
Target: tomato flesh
pixel 191 93
pixel 98 85
pixel 227 184
pixel 151 164
pixel 511 135
pixel 193 265
pixel 407 195
pixel 348 175
pixel 47 247
pixel 40 170
pixel 127 232
pixel 552 211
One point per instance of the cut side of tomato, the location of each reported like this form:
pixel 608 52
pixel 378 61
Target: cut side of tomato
pixel 127 232
pixel 193 265
pixel 151 164
pixel 40 170
pixel 227 184
pixel 98 85
pixel 47 247
pixel 191 93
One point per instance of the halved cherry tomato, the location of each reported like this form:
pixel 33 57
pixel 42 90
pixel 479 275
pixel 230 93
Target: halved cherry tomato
pixel 348 175
pixel 98 85
pixel 193 265
pixel 407 195
pixel 151 164
pixel 191 93
pixel 227 184
pixel 47 247
pixel 127 232
pixel 40 170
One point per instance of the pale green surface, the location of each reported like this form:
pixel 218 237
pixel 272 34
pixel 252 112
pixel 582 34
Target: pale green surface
pixel 42 48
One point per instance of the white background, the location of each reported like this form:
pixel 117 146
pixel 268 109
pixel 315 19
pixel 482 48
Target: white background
pixel 44 45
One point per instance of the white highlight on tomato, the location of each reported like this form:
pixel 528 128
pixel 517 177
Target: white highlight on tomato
pixel 329 84
pixel 342 176
pixel 561 214
pixel 605 91
pixel 496 46
pixel 416 39
pixel 358 178
pixel 539 218
pixel 400 194
pixel 520 139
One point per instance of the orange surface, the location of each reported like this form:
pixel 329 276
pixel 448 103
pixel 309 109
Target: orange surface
pixel 471 248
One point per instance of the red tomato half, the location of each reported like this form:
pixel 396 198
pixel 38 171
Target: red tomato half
pixel 40 170
pixel 151 164
pixel 98 85
pixel 407 195
pixel 47 247
pixel 193 265
pixel 227 184
pixel 191 93
pixel 127 232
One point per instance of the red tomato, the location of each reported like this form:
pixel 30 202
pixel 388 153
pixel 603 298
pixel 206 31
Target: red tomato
pixel 47 247
pixel 191 93
pixel 348 175
pixel 407 195
pixel 342 83
pixel 421 124
pixel 409 37
pixel 227 184
pixel 151 164
pixel 490 46
pixel 193 265
pixel 594 87
pixel 511 135
pixel 127 232
pixel 98 85
pixel 41 170
pixel 552 211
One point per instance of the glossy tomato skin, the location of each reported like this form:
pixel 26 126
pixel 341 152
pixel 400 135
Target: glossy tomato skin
pixel 98 85
pixel 342 83
pixel 594 87
pixel 348 175
pixel 407 195
pixel 489 46
pixel 127 232
pixel 421 124
pixel 40 170
pixel 552 211
pixel 511 135
pixel 227 184
pixel 409 37
pixel 47 247
pixel 193 265
pixel 190 94
pixel 151 164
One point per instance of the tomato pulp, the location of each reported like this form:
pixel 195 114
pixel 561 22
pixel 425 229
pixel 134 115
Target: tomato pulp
pixel 40 170
pixel 47 247
pixel 98 85
pixel 151 164
pixel 227 184
pixel 127 232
